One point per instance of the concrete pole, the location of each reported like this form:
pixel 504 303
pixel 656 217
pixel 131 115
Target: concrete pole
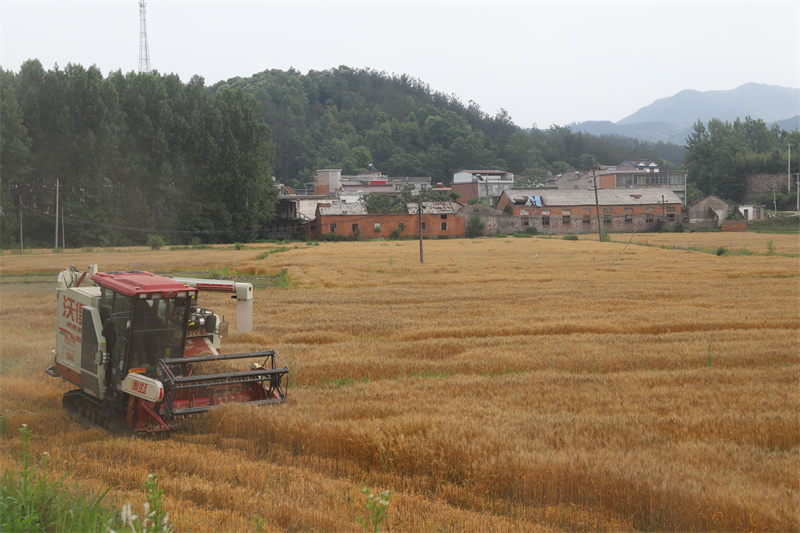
pixel 419 219
pixel 20 225
pixel 56 213
pixel 597 205
pixel 798 193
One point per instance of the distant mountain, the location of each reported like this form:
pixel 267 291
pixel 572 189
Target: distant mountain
pixel 671 119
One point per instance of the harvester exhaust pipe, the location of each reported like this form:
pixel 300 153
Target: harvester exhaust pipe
pixel 244 297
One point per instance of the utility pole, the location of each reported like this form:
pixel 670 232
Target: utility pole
pixel 144 49
pixel 797 177
pixel 56 213
pixel 597 204
pixel 789 170
pixel 20 224
pixel 419 220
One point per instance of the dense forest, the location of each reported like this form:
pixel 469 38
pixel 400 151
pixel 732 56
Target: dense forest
pixel 129 156
pixel 721 154
pixel 348 118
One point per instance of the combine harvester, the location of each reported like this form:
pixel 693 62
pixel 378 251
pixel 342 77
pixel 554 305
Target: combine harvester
pixel 136 345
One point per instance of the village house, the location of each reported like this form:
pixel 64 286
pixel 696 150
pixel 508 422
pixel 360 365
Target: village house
pixel 637 174
pixel 438 219
pixel 709 212
pixel 575 211
pixel 487 185
pixel 752 212
pixel 330 182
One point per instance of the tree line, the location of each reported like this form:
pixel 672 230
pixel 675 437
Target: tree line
pixel 132 155
pixel 141 154
pixel 721 154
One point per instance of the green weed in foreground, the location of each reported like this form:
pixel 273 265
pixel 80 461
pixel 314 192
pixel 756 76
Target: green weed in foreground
pixel 31 501
pixel 154 519
pixel 377 508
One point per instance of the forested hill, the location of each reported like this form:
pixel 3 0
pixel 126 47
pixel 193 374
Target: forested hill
pixel 348 118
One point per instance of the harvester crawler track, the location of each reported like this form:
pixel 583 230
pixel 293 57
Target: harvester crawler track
pixel 91 413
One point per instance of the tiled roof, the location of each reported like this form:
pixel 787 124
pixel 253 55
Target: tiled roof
pixel 434 208
pixel 552 197
pixel 365 188
pixel 339 208
pixel 484 171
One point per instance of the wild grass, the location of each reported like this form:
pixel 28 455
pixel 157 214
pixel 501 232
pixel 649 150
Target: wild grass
pixel 508 385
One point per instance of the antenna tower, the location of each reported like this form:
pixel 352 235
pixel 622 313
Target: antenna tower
pixel 144 50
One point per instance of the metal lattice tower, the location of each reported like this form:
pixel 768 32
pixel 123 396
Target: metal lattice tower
pixel 144 50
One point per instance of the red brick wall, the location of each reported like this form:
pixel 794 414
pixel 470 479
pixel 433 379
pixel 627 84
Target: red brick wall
pixel 456 226
pixel 734 225
pixel 607 181
pixel 465 190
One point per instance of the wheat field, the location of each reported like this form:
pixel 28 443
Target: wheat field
pixel 504 384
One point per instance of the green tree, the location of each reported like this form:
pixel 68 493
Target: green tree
pixel 475 226
pixel 242 183
pixel 15 150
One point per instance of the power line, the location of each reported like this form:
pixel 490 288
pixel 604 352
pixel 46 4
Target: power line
pixel 141 230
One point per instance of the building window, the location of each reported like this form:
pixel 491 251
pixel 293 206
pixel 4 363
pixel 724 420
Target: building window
pixel 671 209
pixel 526 221
pixel 565 212
pixel 587 219
pixel 423 226
pixel 545 211
pixel 606 210
pixel 444 217
pixel 649 218
pixel 629 219
pixel 444 226
pixel 377 226
pixel 355 228
pixel 671 217
pixel 607 219
pixel 565 221
pixel 546 222
pixel 333 228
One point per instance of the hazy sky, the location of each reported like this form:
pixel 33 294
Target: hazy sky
pixel 543 62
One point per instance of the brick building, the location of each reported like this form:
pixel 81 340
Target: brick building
pixel 487 185
pixel 627 175
pixel 575 211
pixel 438 220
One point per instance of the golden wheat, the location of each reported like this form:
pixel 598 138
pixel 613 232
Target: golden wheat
pixel 503 384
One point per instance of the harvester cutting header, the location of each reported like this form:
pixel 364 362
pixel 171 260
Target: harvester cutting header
pixel 139 347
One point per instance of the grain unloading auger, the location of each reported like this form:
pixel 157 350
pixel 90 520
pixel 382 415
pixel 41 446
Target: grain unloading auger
pixel 144 355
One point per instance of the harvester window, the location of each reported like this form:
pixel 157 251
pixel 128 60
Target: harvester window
pixel 120 320
pixel 158 329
